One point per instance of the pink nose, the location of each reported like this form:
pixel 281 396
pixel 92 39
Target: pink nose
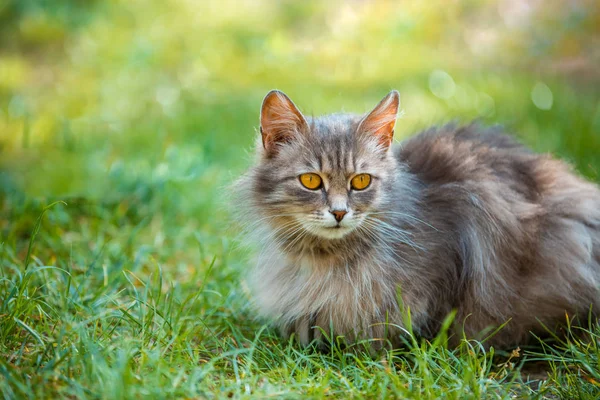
pixel 339 214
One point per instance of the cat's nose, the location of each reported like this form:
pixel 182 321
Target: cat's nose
pixel 338 214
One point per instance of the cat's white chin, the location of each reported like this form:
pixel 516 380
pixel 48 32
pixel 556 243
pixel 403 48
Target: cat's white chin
pixel 336 232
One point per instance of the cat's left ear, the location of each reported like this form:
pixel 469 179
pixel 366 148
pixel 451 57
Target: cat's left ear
pixel 380 122
pixel 280 121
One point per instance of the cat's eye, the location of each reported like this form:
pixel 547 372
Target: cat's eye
pixel 360 182
pixel 311 181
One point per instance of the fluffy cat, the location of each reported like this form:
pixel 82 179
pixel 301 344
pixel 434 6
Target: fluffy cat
pixel 353 230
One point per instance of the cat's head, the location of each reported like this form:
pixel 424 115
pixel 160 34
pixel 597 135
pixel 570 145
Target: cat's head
pixel 323 176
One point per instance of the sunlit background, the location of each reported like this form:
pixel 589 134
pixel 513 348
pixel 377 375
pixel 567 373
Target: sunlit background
pixel 93 89
pixel 151 106
pixel 138 114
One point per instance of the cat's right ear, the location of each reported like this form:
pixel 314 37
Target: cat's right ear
pixel 280 121
pixel 380 122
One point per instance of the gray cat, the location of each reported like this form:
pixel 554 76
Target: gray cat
pixel 354 231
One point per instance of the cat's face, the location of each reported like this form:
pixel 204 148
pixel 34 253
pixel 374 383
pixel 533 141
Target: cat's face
pixel 323 176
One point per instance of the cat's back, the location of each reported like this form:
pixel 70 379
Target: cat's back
pixel 479 158
pixel 456 154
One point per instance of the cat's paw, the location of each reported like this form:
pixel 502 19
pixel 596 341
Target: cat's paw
pixel 305 332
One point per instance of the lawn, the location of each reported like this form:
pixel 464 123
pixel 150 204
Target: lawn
pixel 123 123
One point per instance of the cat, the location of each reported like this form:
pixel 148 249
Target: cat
pixel 354 231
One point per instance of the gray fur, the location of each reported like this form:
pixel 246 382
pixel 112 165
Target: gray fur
pixel 457 218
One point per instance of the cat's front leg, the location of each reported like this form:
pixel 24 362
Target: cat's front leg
pixel 305 330
pixel 301 328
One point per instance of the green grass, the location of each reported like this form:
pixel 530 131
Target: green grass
pixel 121 127
pixel 104 318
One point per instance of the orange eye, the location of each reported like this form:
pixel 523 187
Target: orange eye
pixel 360 182
pixel 311 181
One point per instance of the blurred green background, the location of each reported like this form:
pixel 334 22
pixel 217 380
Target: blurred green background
pixel 154 104
pixel 98 93
pixel 139 114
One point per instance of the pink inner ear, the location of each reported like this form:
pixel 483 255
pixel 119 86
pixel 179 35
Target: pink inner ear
pixel 280 120
pixel 383 128
pixel 382 120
